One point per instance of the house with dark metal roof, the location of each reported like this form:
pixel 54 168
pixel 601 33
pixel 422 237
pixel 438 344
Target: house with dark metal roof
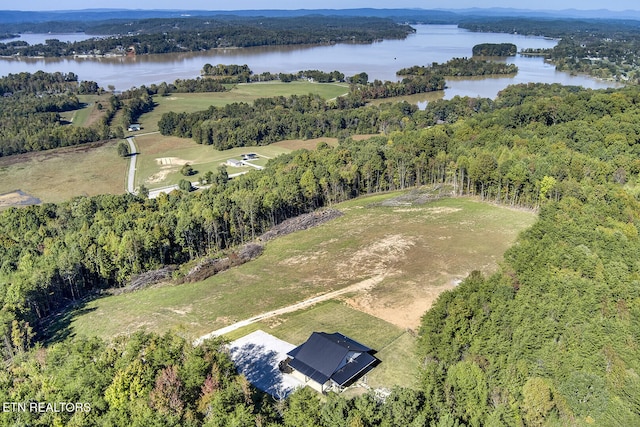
pixel 330 361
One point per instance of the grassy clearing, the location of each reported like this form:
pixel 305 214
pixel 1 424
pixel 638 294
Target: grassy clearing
pixel 421 250
pixel 89 113
pixel 191 102
pixel 162 157
pixel 57 175
pixel 309 144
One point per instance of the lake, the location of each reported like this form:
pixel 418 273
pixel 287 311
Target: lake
pixel 380 60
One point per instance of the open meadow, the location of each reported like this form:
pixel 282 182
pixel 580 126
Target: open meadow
pixel 416 249
pixel 60 174
pixel 244 92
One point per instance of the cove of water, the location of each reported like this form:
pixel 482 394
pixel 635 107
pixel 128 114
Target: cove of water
pixel 380 60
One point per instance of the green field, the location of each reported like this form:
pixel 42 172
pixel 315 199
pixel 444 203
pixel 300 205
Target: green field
pixel 191 102
pixel 420 249
pixel 59 174
pixel 161 158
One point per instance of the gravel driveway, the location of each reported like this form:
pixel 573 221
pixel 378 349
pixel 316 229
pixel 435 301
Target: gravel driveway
pixel 257 356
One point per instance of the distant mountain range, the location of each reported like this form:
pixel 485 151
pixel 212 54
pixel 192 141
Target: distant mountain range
pixel 413 15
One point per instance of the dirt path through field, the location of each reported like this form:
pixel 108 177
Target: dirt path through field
pixel 360 286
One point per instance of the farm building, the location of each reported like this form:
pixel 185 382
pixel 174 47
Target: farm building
pixel 234 163
pixel 133 127
pixel 330 361
pixel 249 156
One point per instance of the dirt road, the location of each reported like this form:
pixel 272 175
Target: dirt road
pixel 363 285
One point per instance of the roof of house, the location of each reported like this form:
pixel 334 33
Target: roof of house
pixel 331 356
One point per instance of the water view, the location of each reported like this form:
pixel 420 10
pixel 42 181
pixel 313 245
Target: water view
pixel 431 43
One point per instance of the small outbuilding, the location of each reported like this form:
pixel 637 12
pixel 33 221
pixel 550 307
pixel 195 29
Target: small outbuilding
pixel 330 361
pixel 134 127
pixel 234 163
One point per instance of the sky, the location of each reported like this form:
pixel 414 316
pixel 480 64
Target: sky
pixel 615 5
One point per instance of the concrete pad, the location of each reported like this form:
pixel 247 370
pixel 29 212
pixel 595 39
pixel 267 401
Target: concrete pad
pixel 257 356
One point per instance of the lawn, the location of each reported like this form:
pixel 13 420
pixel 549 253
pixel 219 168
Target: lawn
pixel 395 346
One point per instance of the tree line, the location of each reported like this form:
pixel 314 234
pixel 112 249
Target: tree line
pixel 466 67
pixel 160 35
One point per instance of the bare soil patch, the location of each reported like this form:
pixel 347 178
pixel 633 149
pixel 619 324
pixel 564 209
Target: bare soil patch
pixel 377 258
pixel 17 198
pixel 158 177
pixel 171 161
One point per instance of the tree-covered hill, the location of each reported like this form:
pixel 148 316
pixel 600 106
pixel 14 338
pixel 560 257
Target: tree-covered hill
pixel 164 35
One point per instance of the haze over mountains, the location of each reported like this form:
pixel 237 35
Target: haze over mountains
pixel 422 15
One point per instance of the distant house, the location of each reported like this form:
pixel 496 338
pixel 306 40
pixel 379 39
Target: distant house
pixel 330 361
pixel 133 127
pixel 234 163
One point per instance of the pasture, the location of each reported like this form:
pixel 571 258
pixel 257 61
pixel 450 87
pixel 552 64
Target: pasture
pixel 249 92
pixel 60 174
pixel 419 248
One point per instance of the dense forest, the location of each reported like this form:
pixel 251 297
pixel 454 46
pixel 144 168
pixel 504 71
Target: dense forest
pixel 198 34
pixel 495 49
pixel 467 67
pixel 548 340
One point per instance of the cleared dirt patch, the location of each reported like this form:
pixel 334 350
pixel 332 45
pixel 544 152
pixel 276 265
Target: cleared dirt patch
pixel 376 258
pixel 172 161
pixel 17 198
